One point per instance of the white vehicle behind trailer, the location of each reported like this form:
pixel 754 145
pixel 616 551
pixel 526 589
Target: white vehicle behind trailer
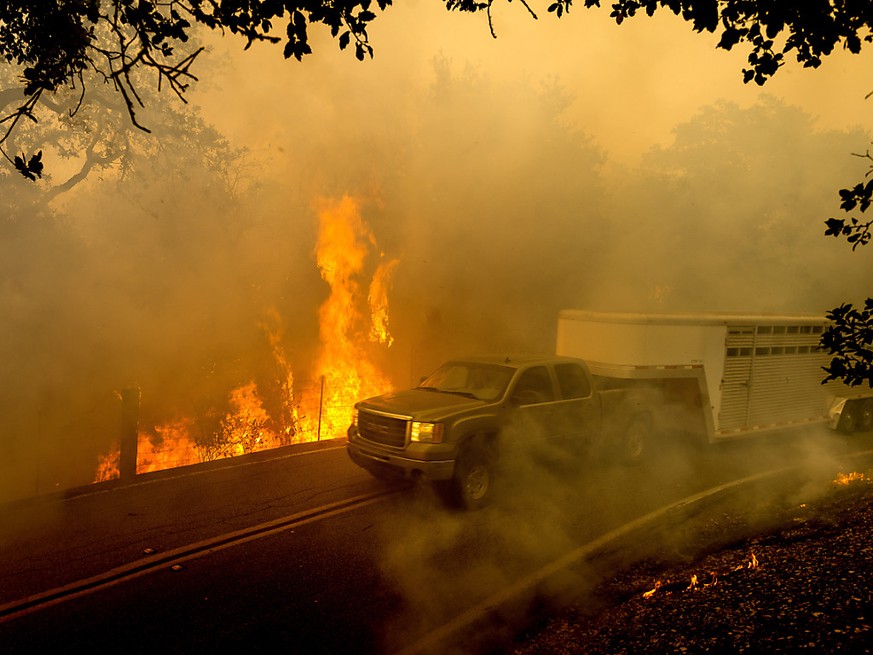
pixel 720 375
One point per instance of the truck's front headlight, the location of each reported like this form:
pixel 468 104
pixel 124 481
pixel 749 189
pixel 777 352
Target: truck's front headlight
pixel 426 432
pixel 355 417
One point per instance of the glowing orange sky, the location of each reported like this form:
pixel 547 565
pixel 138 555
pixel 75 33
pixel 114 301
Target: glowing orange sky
pixel 633 83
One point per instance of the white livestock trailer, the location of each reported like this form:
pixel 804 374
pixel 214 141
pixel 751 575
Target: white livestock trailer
pixel 722 375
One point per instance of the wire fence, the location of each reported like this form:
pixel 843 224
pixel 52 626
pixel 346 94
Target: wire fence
pixel 322 412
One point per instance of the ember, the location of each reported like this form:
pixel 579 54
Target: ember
pixel 849 478
pixel 651 592
pixel 668 587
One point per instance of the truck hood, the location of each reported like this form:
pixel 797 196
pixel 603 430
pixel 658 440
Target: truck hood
pixel 430 405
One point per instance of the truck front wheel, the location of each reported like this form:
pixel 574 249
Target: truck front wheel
pixel 472 484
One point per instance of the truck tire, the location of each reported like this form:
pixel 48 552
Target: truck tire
pixel 633 445
pixel 472 484
pixel 865 416
pixel 848 418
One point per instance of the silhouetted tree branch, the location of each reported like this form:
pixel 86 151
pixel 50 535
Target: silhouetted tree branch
pixel 92 159
pixel 850 339
pixel 858 197
pixel 811 29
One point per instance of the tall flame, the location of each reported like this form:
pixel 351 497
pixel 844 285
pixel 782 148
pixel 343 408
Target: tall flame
pixel 343 371
pixel 346 371
pixel 378 299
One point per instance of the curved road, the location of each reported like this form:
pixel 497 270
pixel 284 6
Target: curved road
pixel 305 553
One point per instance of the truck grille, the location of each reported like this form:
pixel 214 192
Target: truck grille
pixel 386 430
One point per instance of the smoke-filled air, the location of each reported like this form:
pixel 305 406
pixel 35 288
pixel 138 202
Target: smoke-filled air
pixel 302 235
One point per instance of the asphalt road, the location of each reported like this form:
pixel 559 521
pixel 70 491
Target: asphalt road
pixel 305 553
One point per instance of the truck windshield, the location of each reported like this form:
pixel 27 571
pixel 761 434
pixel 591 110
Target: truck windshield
pixel 481 381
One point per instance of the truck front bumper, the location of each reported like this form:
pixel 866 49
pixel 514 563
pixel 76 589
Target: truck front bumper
pixel 381 460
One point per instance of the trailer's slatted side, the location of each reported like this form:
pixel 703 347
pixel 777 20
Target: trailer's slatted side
pixel 772 376
pixel 787 388
pixel 767 339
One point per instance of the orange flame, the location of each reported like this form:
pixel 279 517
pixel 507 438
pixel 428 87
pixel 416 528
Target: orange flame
pixel 109 465
pixel 651 592
pixel 166 446
pixel 346 372
pixel 378 299
pixel 245 425
pixel 169 446
pixel 290 418
pixel 848 478
pixel 343 368
pixel 665 588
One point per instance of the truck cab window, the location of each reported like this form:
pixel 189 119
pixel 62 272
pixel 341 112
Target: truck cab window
pixel 573 381
pixel 534 386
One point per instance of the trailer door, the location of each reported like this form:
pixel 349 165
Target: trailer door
pixel 737 380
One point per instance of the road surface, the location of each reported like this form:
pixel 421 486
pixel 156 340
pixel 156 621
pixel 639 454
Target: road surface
pixel 305 553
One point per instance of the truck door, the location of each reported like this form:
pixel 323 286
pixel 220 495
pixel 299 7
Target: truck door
pixel 577 413
pixel 532 400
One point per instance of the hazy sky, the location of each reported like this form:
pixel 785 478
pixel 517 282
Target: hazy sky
pixel 632 83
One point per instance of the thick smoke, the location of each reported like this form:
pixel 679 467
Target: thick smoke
pixel 499 194
pixel 549 504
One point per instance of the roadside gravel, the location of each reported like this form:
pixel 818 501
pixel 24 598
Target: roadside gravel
pixel 802 586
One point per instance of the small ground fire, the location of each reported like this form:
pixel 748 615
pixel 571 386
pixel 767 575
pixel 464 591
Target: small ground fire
pixel 700 582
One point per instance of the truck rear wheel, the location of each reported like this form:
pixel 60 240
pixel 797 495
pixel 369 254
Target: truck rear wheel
pixel 848 418
pixel 634 443
pixel 865 416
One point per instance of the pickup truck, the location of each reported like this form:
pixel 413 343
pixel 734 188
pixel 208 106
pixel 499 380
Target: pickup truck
pixel 458 426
